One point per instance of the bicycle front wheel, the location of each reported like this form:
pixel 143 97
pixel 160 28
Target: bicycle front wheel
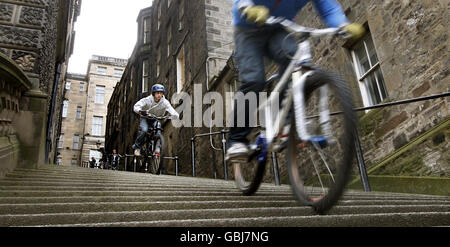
pixel 158 154
pixel 319 168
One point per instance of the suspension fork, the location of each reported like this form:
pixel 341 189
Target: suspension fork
pixel 299 81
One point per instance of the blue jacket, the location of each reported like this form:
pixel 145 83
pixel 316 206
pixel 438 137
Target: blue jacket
pixel 329 10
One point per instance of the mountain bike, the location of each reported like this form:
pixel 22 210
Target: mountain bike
pixel 154 139
pixel 320 135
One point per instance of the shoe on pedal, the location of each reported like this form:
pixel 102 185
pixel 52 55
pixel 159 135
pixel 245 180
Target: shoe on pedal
pixel 137 152
pixel 237 152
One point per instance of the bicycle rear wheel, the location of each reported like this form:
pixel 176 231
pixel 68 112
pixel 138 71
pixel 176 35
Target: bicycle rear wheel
pixel 157 157
pixel 320 168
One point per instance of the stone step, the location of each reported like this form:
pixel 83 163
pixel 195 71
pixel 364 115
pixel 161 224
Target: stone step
pixel 39 208
pixel 166 215
pixel 423 219
pixel 68 193
pixel 73 196
pixel 245 202
pixel 162 198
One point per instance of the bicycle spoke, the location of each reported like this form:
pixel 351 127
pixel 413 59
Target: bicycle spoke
pixel 322 156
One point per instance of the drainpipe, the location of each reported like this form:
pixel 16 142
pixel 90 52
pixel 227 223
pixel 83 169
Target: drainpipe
pixel 207 90
pixel 51 112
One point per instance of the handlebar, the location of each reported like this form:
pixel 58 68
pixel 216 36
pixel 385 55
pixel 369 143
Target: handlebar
pixel 152 117
pixel 295 28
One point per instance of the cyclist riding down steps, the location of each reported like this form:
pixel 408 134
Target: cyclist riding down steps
pixel 254 40
pixel 155 105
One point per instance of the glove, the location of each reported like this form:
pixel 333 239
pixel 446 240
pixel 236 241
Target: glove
pixel 257 14
pixel 143 113
pixel 355 30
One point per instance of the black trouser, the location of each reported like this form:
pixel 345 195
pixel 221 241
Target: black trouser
pixel 252 45
pixel 143 129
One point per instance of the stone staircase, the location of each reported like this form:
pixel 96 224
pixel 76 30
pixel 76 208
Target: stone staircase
pixel 72 196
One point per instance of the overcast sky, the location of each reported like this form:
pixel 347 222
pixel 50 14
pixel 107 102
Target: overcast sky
pixel 105 28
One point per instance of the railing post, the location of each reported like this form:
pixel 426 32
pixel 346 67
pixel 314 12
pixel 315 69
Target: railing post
pixel 361 164
pixel 276 173
pixel 176 165
pixel 193 155
pixel 224 144
pixel 126 159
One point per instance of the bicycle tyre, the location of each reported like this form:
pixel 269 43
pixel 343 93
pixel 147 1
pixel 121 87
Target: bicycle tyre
pixel 248 175
pixel 158 162
pixel 302 177
pixel 248 186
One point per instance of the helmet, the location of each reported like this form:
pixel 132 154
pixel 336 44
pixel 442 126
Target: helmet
pixel 158 88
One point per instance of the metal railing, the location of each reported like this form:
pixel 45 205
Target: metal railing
pixel 224 163
pixel 135 161
pixel 359 152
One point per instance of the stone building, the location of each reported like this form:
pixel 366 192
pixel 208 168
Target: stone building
pixel 103 75
pixel 36 41
pixel 404 55
pixel 73 119
pixel 84 110
pixel 121 122
pixel 185 42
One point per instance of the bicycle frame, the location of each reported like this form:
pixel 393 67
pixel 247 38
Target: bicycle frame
pixel 296 88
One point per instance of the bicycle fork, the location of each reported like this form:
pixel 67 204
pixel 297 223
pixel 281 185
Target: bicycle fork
pixel 299 81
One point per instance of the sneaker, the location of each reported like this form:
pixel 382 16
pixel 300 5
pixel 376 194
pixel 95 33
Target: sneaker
pixel 238 151
pixel 137 152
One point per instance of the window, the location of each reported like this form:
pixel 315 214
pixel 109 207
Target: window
pixel 76 140
pixel 159 15
pixel 82 87
pixel 101 70
pixel 68 83
pixel 97 124
pixel 367 67
pixel 118 72
pixel 100 94
pixel 65 108
pixel 147 28
pixel 79 112
pixel 169 38
pixel 180 16
pixel 158 67
pixel 181 72
pixel 61 141
pixel 145 75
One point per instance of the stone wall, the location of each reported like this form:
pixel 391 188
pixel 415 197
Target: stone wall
pixel 36 35
pixel 412 47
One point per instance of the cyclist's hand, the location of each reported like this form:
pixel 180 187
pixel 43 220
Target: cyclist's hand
pixel 143 113
pixel 355 30
pixel 257 14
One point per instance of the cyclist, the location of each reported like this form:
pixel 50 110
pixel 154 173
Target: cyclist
pixel 154 105
pixel 254 40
